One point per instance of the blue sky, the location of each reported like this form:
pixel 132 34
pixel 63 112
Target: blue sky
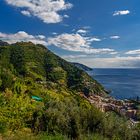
pixel 98 33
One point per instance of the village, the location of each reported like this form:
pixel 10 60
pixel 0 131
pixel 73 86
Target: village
pixel 125 108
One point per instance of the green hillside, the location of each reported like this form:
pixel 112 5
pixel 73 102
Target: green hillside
pixel 39 99
pixel 83 67
pixel 41 65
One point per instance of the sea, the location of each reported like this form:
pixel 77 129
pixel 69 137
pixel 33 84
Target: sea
pixel 122 83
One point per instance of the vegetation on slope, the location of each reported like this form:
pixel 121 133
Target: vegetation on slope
pixel 28 70
pixel 83 67
pixel 38 63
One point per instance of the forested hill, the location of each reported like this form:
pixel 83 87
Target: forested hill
pixel 83 67
pixel 2 43
pixel 39 99
pixel 41 65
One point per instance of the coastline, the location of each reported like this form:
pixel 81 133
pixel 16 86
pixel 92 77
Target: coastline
pixel 123 83
pixel 125 108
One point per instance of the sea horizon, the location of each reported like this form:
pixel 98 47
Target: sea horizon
pixel 122 82
pixel 116 68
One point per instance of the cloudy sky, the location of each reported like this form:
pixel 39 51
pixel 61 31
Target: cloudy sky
pixel 98 33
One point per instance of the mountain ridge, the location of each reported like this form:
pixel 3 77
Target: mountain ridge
pixel 82 66
pixel 44 96
pixel 37 62
pixel 2 43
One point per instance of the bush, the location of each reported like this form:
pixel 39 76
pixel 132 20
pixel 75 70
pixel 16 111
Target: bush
pixel 6 80
pixel 15 111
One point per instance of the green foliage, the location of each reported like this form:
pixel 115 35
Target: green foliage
pixel 0 82
pixel 15 111
pixel 36 61
pixel 75 120
pixel 68 118
pixel 18 60
pixel 28 70
pixel 6 79
pixel 27 135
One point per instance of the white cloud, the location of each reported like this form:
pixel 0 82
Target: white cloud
pixel 26 13
pixel 115 62
pixel 66 16
pixel 81 31
pixel 113 53
pixel 46 10
pixel 123 12
pixel 77 43
pixel 22 36
pixel 54 33
pixel 133 52
pixel 114 37
pixel 73 56
pixel 94 39
pixel 86 27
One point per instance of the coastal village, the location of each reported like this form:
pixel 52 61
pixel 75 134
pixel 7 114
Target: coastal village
pixel 125 108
